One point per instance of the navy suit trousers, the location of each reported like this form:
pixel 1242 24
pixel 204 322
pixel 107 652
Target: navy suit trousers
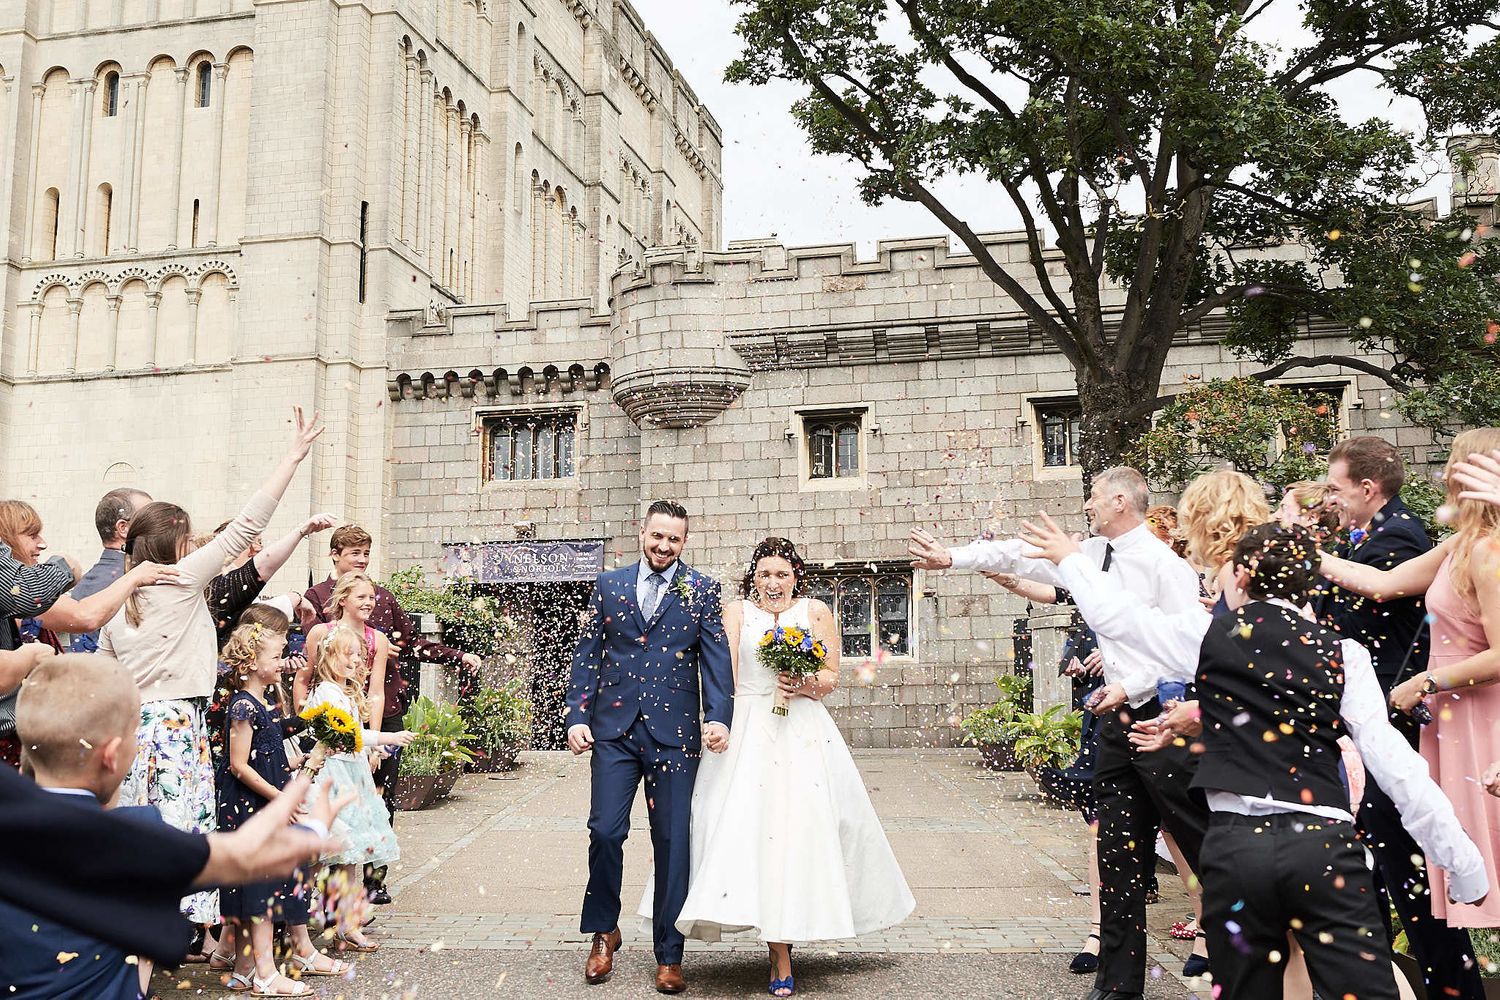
pixel 617 768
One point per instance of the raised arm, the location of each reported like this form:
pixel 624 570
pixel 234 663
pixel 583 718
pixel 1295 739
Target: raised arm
pixel 1483 668
pixel 275 555
pixel 68 615
pixel 1409 579
pixel 203 565
pixel 1402 774
pixel 1037 593
pixel 1002 556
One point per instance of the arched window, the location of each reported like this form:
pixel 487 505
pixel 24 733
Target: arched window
pixel 103 207
pixel 195 224
pixel 518 181
pixel 49 225
pixel 111 94
pixel 205 83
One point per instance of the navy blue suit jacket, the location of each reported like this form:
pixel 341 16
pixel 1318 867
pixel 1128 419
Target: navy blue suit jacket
pixel 626 667
pixel 1386 629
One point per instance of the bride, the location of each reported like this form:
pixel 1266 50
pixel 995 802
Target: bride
pixel 785 841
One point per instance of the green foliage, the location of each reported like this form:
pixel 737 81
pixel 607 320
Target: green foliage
pixel 791 650
pixel 440 740
pixel 498 719
pixel 986 726
pixel 1046 739
pixel 472 620
pixel 1276 434
pixel 1424 496
pixel 1261 196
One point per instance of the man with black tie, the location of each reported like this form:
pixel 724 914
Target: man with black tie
pixel 1365 476
pixel 1134 792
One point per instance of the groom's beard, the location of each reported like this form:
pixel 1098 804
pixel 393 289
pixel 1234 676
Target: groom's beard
pixel 659 563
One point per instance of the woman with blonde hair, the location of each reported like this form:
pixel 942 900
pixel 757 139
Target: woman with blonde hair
pixel 1306 503
pixel 1461 578
pixel 1215 511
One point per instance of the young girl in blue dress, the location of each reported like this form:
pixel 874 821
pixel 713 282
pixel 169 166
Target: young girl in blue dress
pixel 363 827
pixel 255 770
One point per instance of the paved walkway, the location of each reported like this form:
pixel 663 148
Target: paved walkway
pixel 499 869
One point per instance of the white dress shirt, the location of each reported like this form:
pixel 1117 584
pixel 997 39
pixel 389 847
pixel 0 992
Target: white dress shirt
pixel 1142 565
pixel 1399 770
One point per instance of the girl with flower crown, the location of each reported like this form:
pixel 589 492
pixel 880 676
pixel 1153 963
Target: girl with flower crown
pixel 255 771
pixel 341 667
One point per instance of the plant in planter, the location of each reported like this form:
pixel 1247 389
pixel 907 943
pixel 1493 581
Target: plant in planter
pixel 432 762
pixel 985 727
pixel 499 724
pixel 1045 739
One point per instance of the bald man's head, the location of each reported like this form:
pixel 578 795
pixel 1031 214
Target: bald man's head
pixel 72 708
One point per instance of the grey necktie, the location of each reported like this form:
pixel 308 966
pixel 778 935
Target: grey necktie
pixel 654 583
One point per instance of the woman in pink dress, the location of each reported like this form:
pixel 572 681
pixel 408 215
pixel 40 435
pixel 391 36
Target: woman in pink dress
pixel 1461 578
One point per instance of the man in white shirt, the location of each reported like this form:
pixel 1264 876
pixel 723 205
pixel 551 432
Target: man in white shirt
pixel 1134 792
pixel 1277 690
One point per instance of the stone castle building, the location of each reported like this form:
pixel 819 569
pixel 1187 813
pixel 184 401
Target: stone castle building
pixel 485 240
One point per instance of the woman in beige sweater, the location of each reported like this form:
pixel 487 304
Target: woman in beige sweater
pixel 164 636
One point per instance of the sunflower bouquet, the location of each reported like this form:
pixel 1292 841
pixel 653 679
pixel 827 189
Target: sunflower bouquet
pixel 335 730
pixel 791 650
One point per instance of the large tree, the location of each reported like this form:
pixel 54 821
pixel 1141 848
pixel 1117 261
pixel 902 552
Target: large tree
pixel 1180 164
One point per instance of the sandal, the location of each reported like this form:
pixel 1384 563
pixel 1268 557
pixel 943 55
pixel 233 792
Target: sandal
pixel 263 987
pixel 220 962
pixel 1185 930
pixel 789 983
pixel 345 944
pixel 239 982
pixel 307 965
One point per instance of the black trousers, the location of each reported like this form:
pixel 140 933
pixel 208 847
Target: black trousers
pixel 1135 793
pixel 1445 953
pixel 1265 876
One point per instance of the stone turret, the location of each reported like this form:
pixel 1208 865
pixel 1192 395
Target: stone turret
pixel 670 363
pixel 1476 175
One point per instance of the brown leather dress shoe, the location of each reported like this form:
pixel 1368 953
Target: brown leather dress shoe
pixel 602 957
pixel 669 979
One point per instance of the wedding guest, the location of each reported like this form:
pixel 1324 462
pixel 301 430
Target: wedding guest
pixel 1461 580
pixel 21 530
pixel 787 779
pixel 24 591
pixel 349 551
pixel 112 521
pixel 1162 520
pixel 1365 476
pixel 1215 511
pixel 1281 856
pixel 164 636
pixel 77 878
pixel 1134 792
pixel 1309 503
pixel 247 573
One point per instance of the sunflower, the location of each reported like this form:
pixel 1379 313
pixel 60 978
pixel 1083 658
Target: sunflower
pixel 339 721
pixel 820 651
pixel 311 712
pixel 794 636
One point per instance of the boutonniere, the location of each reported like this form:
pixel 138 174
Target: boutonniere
pixel 683 586
pixel 1357 536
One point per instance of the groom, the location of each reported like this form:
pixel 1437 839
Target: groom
pixel 653 631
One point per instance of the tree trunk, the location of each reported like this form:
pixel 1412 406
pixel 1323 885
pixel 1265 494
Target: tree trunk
pixel 1109 427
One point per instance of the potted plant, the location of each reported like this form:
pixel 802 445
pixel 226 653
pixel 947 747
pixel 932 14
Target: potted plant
pixel 432 763
pixel 1044 739
pixel 499 723
pixel 984 728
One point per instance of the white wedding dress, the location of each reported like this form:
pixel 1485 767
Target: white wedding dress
pixel 785 840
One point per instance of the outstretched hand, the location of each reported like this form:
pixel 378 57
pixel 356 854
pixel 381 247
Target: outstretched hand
pixel 308 431
pixel 1051 542
pixel 927 552
pixel 1479 474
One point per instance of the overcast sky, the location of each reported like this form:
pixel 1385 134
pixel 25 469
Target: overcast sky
pixel 774 185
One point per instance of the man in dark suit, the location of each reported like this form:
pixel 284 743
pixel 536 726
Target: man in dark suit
pixel 1365 476
pixel 653 640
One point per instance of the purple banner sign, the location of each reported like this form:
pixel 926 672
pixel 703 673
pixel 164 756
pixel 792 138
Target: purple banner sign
pixel 525 562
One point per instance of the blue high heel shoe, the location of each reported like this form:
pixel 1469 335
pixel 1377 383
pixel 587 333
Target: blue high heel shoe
pixel 789 983
pixel 1196 965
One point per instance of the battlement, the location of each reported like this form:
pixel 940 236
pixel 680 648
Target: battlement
pixel 769 260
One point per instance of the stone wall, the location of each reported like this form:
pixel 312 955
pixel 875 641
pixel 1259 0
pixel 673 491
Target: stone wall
pixel 717 358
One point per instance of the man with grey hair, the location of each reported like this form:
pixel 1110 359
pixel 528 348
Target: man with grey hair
pixel 112 520
pixel 1133 791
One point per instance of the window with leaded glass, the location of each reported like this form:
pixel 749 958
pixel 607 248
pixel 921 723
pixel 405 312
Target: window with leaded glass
pixel 832 445
pixel 1060 426
pixel 531 446
pixel 870 606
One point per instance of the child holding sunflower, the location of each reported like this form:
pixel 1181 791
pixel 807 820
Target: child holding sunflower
pixel 254 771
pixel 363 827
